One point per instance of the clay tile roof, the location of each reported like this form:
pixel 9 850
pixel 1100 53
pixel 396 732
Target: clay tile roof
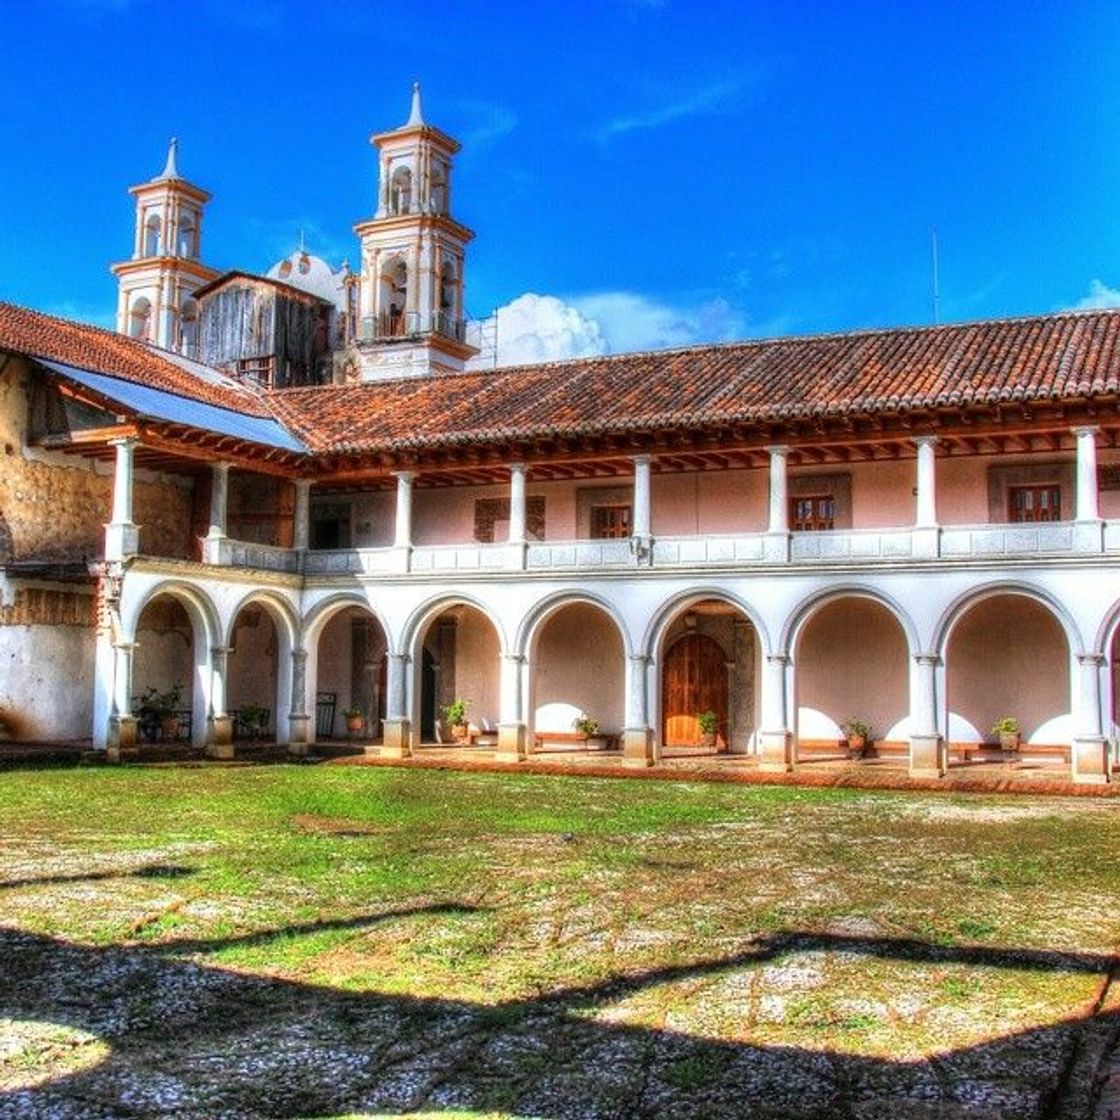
pixel 35 335
pixel 1076 354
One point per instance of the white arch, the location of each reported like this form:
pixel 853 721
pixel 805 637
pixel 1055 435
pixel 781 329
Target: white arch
pixel 804 612
pixel 284 619
pixel 322 612
pixel 530 625
pixel 412 635
pixel 961 605
pixel 667 612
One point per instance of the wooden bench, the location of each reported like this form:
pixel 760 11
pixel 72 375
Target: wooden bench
pixel 574 740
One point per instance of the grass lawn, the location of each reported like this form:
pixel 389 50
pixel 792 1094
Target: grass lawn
pixel 346 941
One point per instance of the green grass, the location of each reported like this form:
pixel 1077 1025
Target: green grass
pixel 765 916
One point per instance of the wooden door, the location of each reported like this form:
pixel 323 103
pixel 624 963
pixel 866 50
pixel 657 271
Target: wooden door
pixel 693 680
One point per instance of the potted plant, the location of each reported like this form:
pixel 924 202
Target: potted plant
pixel 1007 729
pixel 355 717
pixel 456 715
pixel 858 735
pixel 708 722
pixel 162 708
pixel 252 718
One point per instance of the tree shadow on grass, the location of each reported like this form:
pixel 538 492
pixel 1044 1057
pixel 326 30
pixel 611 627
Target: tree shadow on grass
pixel 185 1039
pixel 150 871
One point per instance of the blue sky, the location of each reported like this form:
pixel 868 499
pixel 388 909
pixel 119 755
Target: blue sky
pixel 671 171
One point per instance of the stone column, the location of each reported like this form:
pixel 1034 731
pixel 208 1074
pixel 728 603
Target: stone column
pixel 122 536
pixel 301 515
pixel 637 736
pixel 299 720
pixel 518 533
pixel 219 733
pixel 1088 529
pixel 741 706
pixel 122 733
pixel 774 737
pixel 1089 756
pixel 927 534
pixel 402 535
pixel 219 505
pixel 513 740
pixel 776 544
pixel 642 520
pixel 397 737
pixel 928 750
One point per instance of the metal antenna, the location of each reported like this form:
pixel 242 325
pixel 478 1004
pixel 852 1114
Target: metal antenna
pixel 936 292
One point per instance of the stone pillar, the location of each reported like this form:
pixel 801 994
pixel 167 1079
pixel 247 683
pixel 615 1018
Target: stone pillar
pixel 122 731
pixel 518 531
pixel 219 505
pixel 397 737
pixel 1089 756
pixel 1088 529
pixel 402 533
pixel 741 699
pixel 642 521
pixel 775 739
pixel 637 736
pixel 219 733
pixel 776 544
pixel 299 720
pixel 301 514
pixel 927 534
pixel 928 750
pixel 122 536
pixel 513 739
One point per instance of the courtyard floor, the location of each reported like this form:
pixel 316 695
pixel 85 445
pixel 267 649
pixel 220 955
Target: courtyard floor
pixel 197 941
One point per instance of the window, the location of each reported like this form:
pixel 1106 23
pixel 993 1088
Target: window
pixel 610 522
pixel 811 512
pixel 1041 501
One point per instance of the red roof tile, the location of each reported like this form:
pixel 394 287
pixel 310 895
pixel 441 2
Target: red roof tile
pixel 35 335
pixel 1073 355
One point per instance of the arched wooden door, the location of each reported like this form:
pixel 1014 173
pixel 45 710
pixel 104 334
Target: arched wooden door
pixel 693 680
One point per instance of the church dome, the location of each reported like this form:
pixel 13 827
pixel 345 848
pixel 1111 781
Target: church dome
pixel 312 274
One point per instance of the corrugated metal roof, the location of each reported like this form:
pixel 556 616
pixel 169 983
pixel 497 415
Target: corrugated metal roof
pixel 160 405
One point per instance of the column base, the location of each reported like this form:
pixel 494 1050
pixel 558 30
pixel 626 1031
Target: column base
pixel 1089 761
pixel 121 745
pixel 1088 536
pixel 298 728
pixel 219 737
pixel 122 538
pixel 929 756
pixel 926 542
pixel 637 747
pixel 775 752
pixel 513 743
pixel 397 739
pixel 212 548
pixel 516 555
pixel 297 750
pixel 775 548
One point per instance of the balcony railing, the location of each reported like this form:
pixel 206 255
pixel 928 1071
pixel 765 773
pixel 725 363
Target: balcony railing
pixel 847 546
pixel 391 325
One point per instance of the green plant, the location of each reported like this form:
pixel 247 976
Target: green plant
pixel 163 703
pixel 252 716
pixel 857 729
pixel 585 725
pixel 456 712
pixel 708 721
pixel 353 712
pixel 1008 725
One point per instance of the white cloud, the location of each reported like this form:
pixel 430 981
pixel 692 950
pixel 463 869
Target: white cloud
pixel 535 328
pixel 1100 295
pixel 714 98
pixel 487 122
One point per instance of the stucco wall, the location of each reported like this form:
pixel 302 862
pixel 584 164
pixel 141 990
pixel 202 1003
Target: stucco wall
pixel 578 660
pixel 477 670
pixel 852 662
pixel 252 662
pixel 1008 656
pixel 165 650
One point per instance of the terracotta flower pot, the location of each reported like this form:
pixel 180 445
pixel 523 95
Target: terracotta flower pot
pixel 1009 740
pixel 460 732
pixel 354 723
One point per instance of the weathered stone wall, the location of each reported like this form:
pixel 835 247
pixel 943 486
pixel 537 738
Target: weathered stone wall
pixel 54 507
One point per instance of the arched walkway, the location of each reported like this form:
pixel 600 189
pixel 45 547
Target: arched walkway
pixel 1007 655
pixel 259 681
pixel 851 663
pixel 347 655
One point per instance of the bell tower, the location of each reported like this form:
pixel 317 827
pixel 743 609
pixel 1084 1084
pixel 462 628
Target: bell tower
pixel 157 285
pixel 412 318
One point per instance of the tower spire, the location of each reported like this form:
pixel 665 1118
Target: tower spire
pixel 171 168
pixel 416 116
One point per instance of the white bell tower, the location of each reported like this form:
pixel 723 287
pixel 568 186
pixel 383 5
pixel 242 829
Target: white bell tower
pixel 157 285
pixel 412 320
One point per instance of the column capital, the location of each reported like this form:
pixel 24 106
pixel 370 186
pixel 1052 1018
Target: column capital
pixel 303 483
pixel 1091 659
pixel 779 658
pixel 403 658
pixel 220 466
pixel 1085 429
pixel 641 460
pixel 515 658
pixel 221 651
pixel 927 659
pixel 124 441
pixel 780 450
pixel 299 655
pixel 926 441
pixel 518 468
pixel 125 647
pixel 404 476
pixel 640 658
